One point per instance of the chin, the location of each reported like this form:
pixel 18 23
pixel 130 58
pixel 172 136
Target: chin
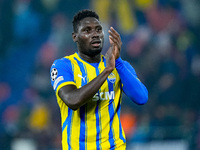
pixel 95 52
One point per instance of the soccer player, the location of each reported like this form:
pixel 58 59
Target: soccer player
pixel 89 88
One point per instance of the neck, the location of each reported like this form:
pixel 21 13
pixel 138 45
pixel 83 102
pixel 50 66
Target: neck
pixel 90 59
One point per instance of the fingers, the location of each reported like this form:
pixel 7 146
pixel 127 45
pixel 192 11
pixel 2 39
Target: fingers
pixel 110 40
pixel 114 33
pixel 114 37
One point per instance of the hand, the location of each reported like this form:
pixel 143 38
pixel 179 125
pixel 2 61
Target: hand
pixel 115 38
pixel 110 58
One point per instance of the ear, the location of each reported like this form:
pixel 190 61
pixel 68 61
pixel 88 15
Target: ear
pixel 74 37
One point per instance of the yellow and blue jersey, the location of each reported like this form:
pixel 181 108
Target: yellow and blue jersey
pixel 96 125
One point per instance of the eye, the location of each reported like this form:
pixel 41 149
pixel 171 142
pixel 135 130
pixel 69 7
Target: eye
pixel 99 29
pixel 87 30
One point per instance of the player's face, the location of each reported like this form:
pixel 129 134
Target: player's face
pixel 90 36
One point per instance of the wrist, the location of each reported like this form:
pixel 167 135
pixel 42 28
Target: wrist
pixel 108 70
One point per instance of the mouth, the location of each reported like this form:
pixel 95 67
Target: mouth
pixel 96 43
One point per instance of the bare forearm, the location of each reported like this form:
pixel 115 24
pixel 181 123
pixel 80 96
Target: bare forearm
pixel 90 89
pixel 76 98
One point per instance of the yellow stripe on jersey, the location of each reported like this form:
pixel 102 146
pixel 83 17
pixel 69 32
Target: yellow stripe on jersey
pixel 63 84
pixel 96 125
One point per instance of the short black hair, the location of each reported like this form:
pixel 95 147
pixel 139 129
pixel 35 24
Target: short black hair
pixel 81 15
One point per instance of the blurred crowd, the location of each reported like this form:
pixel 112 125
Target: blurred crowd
pixel 160 40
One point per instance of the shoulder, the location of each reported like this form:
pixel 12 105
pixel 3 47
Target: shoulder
pixel 61 71
pixel 63 62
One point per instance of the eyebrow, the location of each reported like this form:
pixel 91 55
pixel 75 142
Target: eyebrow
pixel 89 26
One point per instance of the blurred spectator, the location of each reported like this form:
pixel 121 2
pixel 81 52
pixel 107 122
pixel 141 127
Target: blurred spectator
pixel 128 126
pixel 26 22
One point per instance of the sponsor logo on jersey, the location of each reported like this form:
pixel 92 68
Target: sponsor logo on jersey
pixel 104 96
pixel 112 78
pixel 57 81
pixel 83 78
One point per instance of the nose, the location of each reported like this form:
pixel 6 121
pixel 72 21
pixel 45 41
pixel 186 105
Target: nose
pixel 95 34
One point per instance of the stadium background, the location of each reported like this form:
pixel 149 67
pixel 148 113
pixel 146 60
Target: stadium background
pixel 160 39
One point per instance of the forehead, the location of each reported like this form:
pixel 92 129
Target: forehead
pixel 89 21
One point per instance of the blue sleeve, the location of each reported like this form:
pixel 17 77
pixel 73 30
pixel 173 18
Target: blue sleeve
pixel 61 72
pixel 132 86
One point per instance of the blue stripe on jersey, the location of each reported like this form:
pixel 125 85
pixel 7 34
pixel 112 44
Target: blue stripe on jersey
pixel 69 129
pixel 67 120
pixel 67 123
pixel 120 125
pixel 118 113
pixel 97 126
pixel 111 113
pixel 82 138
pixel 97 114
